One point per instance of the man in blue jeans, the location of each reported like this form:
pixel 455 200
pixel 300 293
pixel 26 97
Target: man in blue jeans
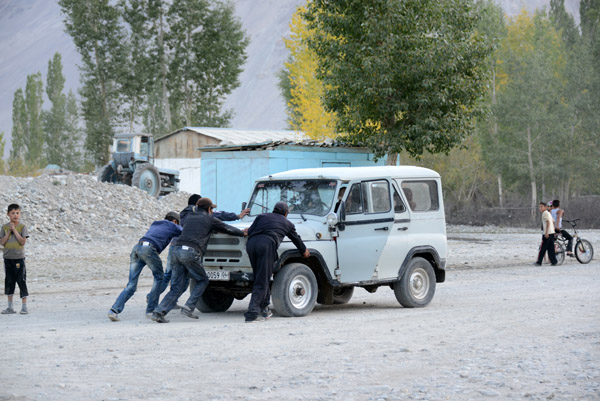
pixel 187 254
pixel 146 253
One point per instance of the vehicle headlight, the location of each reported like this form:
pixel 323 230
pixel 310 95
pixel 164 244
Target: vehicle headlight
pixel 332 219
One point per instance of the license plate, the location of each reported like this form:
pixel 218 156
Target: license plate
pixel 218 275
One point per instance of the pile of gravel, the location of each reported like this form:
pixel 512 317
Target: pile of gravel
pixel 76 208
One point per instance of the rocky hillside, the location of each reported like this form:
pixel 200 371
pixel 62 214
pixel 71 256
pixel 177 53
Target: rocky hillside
pixel 76 208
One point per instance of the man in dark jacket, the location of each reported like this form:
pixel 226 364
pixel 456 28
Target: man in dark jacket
pixel 264 237
pixel 146 253
pixel 187 254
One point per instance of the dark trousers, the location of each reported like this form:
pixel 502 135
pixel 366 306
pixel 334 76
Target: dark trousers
pixel 187 262
pixel 262 252
pixel 547 245
pixel 569 238
pixel 15 274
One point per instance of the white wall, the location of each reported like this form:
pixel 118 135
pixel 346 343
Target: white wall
pixel 189 172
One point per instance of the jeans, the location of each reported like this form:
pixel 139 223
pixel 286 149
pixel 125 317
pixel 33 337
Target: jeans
pixel 141 255
pixel 186 263
pixel 168 275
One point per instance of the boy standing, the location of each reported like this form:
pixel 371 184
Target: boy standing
pixel 146 252
pixel 547 238
pixel 14 235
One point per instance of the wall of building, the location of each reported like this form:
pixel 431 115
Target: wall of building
pixel 182 145
pixel 228 177
pixel 189 172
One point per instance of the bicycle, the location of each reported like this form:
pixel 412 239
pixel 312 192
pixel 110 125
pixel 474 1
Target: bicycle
pixel 584 252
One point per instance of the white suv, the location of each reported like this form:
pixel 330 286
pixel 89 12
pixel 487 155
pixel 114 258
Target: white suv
pixel 365 227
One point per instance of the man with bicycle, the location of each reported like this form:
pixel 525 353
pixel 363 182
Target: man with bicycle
pixel 557 216
pixel 547 237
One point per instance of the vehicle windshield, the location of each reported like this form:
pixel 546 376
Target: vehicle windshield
pixel 123 145
pixel 311 197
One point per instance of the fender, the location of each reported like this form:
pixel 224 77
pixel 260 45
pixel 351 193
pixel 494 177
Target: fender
pixel 439 265
pixel 321 266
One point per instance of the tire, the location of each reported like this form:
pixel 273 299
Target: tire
pixel 342 295
pixel 584 252
pixel 559 251
pixel 212 300
pixel 294 290
pixel 147 178
pixel 416 287
pixel 108 174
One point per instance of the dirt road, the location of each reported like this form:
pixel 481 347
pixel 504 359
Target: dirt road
pixel 498 329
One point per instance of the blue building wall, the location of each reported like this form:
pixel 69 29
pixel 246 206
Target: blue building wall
pixel 227 177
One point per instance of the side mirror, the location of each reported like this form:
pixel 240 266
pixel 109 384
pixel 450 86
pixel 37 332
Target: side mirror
pixel 244 205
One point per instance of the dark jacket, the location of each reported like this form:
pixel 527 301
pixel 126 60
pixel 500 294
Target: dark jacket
pixel 160 234
pixel 275 226
pixel 199 224
pixel 224 216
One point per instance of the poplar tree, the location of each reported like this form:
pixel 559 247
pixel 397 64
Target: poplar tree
pixel 34 134
pixel 19 127
pixel 54 119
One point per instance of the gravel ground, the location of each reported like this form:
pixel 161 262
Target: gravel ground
pixel 498 328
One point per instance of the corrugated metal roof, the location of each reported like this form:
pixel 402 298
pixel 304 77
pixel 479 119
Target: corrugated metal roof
pixel 326 143
pixel 231 137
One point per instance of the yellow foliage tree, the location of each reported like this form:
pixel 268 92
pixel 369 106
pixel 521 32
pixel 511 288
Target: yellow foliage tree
pixel 307 113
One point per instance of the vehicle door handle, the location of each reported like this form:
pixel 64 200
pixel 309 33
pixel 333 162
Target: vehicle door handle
pixel 402 228
pixel 382 229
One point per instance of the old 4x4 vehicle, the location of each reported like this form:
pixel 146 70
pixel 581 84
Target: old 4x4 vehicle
pixel 365 227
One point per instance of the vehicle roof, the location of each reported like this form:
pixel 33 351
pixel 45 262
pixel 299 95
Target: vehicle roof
pixel 131 135
pixel 353 173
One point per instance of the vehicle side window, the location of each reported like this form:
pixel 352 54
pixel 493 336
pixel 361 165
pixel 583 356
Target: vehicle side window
pixel 354 200
pixel 376 196
pixel 398 204
pixel 422 195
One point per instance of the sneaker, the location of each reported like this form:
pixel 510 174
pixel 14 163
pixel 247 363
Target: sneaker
pixel 159 317
pixel 24 310
pixel 188 312
pixel 177 306
pixel 113 316
pixel 149 315
pixel 257 319
pixel 8 311
pixel 537 264
pixel 267 313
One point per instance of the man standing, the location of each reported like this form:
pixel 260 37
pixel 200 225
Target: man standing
pixel 264 237
pixel 557 215
pixel 547 237
pixel 187 254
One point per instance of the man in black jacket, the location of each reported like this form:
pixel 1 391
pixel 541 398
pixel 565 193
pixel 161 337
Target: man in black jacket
pixel 188 251
pixel 264 237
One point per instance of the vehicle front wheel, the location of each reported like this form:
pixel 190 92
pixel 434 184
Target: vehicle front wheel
pixel 584 252
pixel 416 287
pixel 294 290
pixel 559 252
pixel 213 300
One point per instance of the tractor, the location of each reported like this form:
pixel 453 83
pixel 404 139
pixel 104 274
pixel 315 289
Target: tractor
pixel 133 164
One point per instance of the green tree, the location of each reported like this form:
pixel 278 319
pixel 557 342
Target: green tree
pixel 72 156
pixel 529 110
pixel 34 137
pixel 400 74
pixel 2 164
pixel 54 119
pixel 95 26
pixel 20 126
pixel 208 46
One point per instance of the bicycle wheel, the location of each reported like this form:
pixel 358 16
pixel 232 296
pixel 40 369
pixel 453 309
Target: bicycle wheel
pixel 559 251
pixel 584 251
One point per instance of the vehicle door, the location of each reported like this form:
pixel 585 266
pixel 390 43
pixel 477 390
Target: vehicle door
pixel 398 243
pixel 368 221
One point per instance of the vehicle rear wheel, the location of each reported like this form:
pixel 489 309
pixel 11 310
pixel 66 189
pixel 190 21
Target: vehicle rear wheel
pixel 559 251
pixel 342 295
pixel 584 252
pixel 212 300
pixel 147 178
pixel 416 287
pixel 294 290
